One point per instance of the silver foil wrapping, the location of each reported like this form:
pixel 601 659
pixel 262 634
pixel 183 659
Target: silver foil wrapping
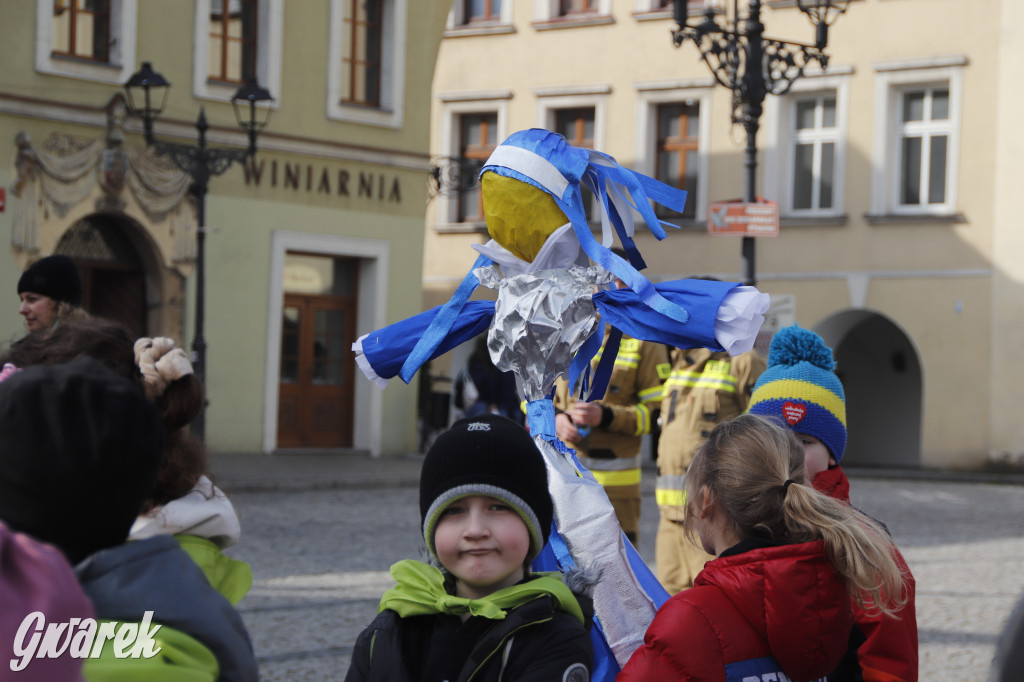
pixel 540 320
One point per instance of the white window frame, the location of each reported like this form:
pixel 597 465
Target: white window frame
pixel 651 6
pixel 457 15
pixel 548 10
pixel 451 110
pixel 550 102
pixel 780 147
pixel 649 97
pixel 121 59
pixel 392 77
pixel 892 79
pixel 270 16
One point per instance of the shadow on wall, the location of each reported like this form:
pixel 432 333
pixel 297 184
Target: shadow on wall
pixel 881 374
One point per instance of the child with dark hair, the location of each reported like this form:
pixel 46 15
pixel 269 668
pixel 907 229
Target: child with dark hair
pixel 80 451
pixel 486 513
pixel 184 502
pixel 801 390
pixel 776 602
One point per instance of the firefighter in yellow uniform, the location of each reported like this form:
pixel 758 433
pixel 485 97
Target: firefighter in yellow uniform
pixel 607 434
pixel 703 389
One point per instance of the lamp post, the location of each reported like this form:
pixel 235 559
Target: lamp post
pixel 147 94
pixel 753 66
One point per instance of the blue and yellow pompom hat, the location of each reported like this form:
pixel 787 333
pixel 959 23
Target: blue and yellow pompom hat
pixel 801 388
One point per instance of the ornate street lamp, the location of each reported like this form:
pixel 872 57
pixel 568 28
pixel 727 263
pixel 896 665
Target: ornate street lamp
pixel 452 175
pixel 753 66
pixel 147 92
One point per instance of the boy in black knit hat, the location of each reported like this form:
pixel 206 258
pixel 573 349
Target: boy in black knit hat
pixel 486 513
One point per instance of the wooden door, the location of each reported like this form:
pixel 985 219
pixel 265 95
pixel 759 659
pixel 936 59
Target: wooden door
pixel 317 380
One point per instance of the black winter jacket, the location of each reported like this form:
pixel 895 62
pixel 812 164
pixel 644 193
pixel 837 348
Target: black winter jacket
pixel 534 643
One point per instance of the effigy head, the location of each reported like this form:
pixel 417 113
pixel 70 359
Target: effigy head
pixel 529 185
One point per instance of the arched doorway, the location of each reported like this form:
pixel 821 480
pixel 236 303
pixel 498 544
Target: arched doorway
pixel 881 374
pixel 112 270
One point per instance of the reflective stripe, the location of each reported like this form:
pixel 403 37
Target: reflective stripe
pixel 616 464
pixel 643 420
pixel 670 498
pixel 630 477
pixel 650 394
pixel 669 492
pixel 695 380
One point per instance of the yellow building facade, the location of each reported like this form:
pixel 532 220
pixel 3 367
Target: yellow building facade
pixel 895 172
pixel 313 241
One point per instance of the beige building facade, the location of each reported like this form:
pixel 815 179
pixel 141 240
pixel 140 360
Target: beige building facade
pixel 315 240
pixel 895 170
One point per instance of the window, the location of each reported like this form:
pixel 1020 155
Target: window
pixel 81 28
pixel 673 138
pixel 478 136
pixel 805 135
pixel 236 40
pixel 366 61
pixel 677 150
pixel 924 133
pixel 481 10
pixel 233 40
pixel 813 152
pixel 571 7
pixel 363 24
pixel 916 147
pixel 88 39
pixel 564 13
pixel 577 125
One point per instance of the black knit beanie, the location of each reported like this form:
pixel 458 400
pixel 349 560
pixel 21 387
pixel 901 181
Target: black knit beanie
pixel 486 455
pixel 80 449
pixel 53 276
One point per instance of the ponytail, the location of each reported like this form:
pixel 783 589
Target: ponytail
pixel 754 468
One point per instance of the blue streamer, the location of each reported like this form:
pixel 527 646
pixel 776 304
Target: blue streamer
pixel 604 368
pixel 443 322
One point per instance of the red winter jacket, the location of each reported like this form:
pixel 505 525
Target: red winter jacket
pixel 750 616
pixel 882 649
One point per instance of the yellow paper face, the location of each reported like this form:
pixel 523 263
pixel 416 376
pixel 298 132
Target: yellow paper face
pixel 519 216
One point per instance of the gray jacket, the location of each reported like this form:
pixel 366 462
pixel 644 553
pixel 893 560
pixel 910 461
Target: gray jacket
pixel 156 575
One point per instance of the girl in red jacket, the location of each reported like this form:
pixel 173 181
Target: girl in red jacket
pixel 800 388
pixel 776 602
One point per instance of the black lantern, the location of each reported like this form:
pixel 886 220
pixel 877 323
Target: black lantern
pixel 250 117
pixel 753 66
pixel 146 93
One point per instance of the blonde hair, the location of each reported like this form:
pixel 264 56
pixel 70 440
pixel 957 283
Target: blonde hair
pixel 64 311
pixel 745 466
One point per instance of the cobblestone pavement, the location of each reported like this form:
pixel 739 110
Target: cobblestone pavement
pixel 320 560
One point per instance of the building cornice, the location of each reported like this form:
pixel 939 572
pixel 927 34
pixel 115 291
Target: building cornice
pixel 95 116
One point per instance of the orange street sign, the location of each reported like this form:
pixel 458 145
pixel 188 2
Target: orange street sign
pixel 760 219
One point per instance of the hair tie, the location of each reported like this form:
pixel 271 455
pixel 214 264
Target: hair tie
pixel 160 362
pixel 785 486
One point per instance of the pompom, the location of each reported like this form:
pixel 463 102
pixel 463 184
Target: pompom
pixel 794 344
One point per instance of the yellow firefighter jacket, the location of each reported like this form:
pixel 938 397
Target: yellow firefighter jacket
pixel 704 388
pixel 612 452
